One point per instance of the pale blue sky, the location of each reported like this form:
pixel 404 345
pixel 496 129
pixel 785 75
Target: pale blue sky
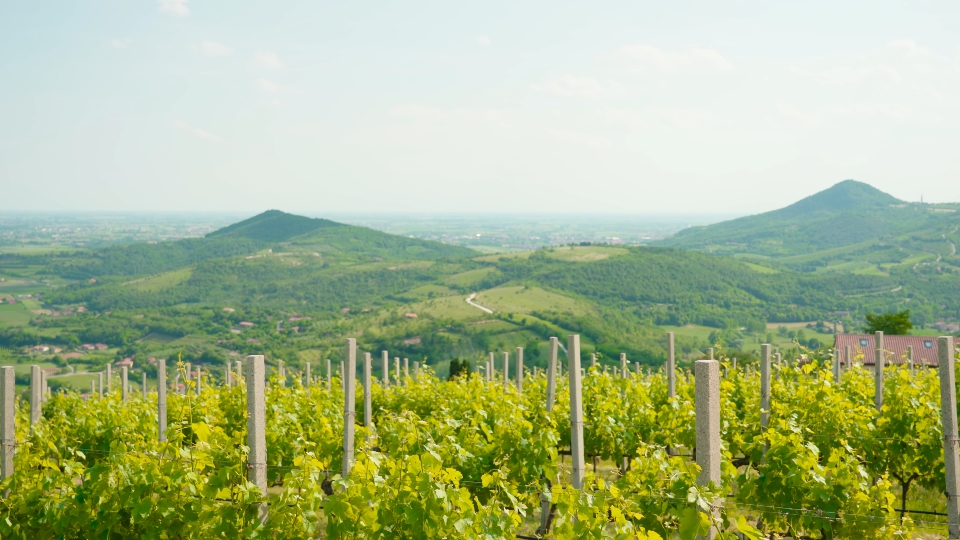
pixel 685 106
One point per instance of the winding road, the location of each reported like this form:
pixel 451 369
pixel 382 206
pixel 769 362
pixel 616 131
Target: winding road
pixel 476 305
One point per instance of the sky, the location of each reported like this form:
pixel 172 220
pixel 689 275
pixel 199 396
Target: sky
pixel 638 107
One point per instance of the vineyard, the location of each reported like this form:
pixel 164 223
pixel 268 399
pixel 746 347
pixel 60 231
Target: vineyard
pixel 498 452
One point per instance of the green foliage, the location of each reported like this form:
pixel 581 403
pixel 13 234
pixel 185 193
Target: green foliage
pixel 894 324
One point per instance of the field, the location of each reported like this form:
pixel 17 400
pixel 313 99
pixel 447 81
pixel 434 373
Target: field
pixel 14 314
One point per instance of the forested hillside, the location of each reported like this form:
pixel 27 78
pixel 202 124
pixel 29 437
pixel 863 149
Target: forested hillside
pixel 846 214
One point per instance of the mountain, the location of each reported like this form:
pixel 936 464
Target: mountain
pixel 274 226
pixel 847 214
pixel 272 230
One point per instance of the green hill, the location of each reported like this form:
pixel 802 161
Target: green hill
pixel 274 226
pixel 850 227
pixel 272 230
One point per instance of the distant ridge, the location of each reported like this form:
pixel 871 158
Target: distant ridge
pixel 274 226
pixel 847 213
pixel 268 230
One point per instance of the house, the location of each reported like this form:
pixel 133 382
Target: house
pixel 229 309
pixel 88 347
pixel 101 346
pixel 410 315
pixel 895 347
pixel 246 324
pixel 125 362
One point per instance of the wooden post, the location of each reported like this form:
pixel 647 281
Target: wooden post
pixel 125 383
pixel 367 392
pixel 879 359
pixel 671 367
pixel 520 370
pixel 576 412
pixel 948 410
pixel 708 426
pixel 386 368
pixel 764 386
pixel 162 399
pixel 8 432
pixel 552 373
pixel 349 412
pixel 256 428
pixel 506 371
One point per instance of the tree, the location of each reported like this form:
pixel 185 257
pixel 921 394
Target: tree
pixel 894 324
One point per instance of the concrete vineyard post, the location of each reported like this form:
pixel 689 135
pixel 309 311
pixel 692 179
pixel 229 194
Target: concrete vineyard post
pixel 636 368
pixel 836 366
pixel 109 380
pixel 506 371
pixel 282 373
pixel 8 433
pixel 708 426
pixel 367 392
pixel 36 388
pixel 576 412
pixel 176 383
pixel 349 412
pixel 330 374
pixel 416 370
pixel 948 410
pixel 671 367
pixel 343 379
pixel 187 379
pixel 124 382
pixel 100 383
pixel 144 386
pixel 552 373
pixel 406 367
pixel 228 375
pixel 162 399
pixel 308 374
pixel 764 386
pixel 255 374
pixel 593 360
pixel 396 367
pixel 386 368
pixel 624 370
pixel 520 370
pixel 910 357
pixel 848 357
pixel 93 388
pixel 878 371
pixel 199 371
pixel 239 370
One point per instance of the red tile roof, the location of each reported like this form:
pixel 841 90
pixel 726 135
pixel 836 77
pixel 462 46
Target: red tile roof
pixel 924 348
